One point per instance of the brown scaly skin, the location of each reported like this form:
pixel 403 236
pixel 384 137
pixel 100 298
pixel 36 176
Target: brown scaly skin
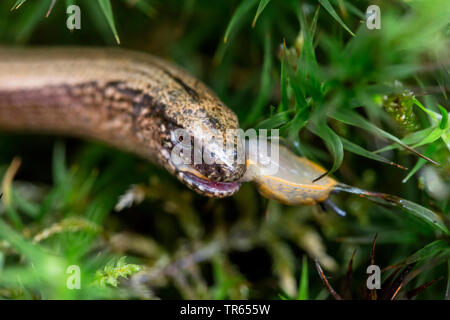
pixel 130 100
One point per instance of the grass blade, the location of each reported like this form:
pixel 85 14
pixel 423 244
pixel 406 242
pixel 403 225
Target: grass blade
pixel 444 121
pixel 143 6
pixel 295 125
pixel 447 290
pixel 17 4
pixel 413 138
pixel 420 162
pixel 333 143
pixel 262 5
pixel 308 67
pixel 326 4
pixel 266 83
pixel 59 163
pixel 303 293
pixel 50 8
pixel 238 16
pixel 105 5
pixel 426 253
pixel 32 15
pixel 352 118
pixel 276 121
pixel 312 29
pixel 413 209
pixel 354 148
pixel 283 81
pixel 424 214
pixel 7 193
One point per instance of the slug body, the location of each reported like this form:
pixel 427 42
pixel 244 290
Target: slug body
pixel 129 100
pixel 292 178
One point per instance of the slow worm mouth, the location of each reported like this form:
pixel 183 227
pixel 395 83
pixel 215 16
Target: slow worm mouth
pixel 210 188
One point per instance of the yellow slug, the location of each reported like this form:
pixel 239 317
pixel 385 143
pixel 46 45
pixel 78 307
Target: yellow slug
pixel 290 178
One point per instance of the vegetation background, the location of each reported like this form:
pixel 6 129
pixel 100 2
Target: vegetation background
pixel 353 99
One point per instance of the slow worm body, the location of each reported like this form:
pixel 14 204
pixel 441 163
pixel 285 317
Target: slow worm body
pixel 127 99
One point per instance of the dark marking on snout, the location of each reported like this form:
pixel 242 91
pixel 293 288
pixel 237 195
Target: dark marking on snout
pixel 194 94
pixel 214 123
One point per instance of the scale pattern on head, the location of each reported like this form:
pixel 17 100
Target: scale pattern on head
pixel 197 110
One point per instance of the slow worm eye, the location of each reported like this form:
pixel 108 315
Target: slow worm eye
pixel 179 136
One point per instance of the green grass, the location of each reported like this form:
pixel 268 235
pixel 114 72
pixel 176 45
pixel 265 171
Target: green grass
pixel 360 102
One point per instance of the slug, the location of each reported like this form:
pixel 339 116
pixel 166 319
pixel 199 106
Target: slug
pixel 292 181
pixel 299 181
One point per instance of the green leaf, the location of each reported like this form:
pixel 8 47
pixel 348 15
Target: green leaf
pixel 445 126
pixel 283 82
pixel 238 17
pixel 143 6
pixel 303 286
pixel 326 4
pixel 312 29
pixel 307 66
pixel 105 5
pixel 50 8
pixel 356 11
pixel 414 209
pixel 30 19
pixel 430 113
pixel 413 138
pixel 297 88
pixel 14 216
pixel 262 5
pixel 350 117
pixel 2 261
pixel 354 148
pixel 17 4
pixel 433 136
pixel 426 253
pixel 295 125
pixel 447 290
pixel 332 141
pixel 444 121
pixel 420 162
pixel 266 83
pixel 438 131
pixel 59 163
pixel 276 121
pixel 17 240
pixel 25 206
pixel 423 214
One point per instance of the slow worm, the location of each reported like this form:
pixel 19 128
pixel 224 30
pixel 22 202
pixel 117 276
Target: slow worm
pixel 130 100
